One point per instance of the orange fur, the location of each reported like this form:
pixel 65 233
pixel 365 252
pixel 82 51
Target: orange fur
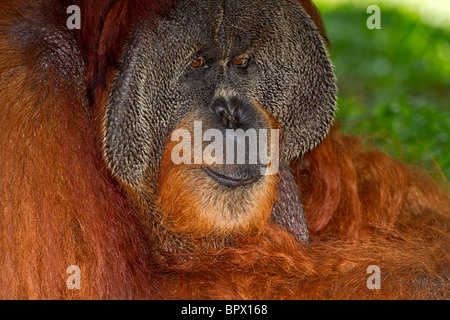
pixel 59 206
pixel 192 203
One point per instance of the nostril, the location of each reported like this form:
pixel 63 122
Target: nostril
pixel 221 112
pixel 219 107
pixel 228 112
pixel 227 120
pixel 238 115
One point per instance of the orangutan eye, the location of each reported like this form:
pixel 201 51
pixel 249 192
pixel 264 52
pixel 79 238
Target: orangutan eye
pixel 197 63
pixel 241 62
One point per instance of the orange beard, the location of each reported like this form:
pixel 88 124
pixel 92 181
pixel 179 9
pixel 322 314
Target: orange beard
pixel 193 203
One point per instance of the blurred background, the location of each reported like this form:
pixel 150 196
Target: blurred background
pixel 394 82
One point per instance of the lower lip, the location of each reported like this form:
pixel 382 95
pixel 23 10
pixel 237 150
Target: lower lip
pixel 230 182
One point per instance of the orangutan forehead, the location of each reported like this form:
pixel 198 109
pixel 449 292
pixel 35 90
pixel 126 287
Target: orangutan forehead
pixel 237 24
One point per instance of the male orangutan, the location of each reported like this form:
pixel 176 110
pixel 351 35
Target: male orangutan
pixel 90 122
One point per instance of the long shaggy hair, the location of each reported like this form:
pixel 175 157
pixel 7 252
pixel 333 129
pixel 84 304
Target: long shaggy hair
pixel 59 206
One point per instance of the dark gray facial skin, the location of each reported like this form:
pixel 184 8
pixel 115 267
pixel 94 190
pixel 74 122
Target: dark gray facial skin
pixel 288 74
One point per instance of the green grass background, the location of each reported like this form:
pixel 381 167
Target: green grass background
pixel 394 83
